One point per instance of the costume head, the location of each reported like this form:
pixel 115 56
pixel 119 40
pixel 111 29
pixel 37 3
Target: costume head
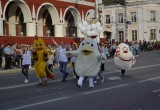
pixel 38 44
pixel 88 47
pixel 123 51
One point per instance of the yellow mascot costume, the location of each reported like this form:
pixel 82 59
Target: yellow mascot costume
pixel 40 57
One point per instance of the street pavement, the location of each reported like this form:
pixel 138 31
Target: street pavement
pixel 139 89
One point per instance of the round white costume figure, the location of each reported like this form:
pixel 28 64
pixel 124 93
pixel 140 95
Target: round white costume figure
pixel 123 58
pixel 88 60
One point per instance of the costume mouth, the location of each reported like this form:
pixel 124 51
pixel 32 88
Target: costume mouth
pixel 125 51
pixel 86 52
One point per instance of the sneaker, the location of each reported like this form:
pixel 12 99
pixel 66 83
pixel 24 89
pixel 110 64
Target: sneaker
pixel 79 86
pixel 95 82
pixel 26 81
pixel 74 76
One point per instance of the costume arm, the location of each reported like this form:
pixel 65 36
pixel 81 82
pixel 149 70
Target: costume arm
pixel 71 54
pixel 35 55
pixel 45 55
pixel 102 57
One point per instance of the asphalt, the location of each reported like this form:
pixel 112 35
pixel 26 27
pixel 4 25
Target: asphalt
pixel 139 89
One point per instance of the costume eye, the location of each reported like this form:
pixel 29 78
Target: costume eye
pixel 40 44
pixel 36 44
pixel 82 44
pixel 91 45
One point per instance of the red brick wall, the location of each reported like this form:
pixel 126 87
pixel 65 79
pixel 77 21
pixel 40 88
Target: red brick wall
pixel 47 40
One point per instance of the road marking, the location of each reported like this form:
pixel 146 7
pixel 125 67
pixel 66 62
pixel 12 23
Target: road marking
pixel 25 85
pixel 39 103
pixel 39 90
pixel 158 90
pixel 150 79
pixel 142 67
pixel 31 84
pixel 114 78
pixel 136 68
pixel 109 88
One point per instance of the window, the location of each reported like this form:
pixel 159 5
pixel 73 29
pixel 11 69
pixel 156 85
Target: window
pixel 107 19
pixel 153 34
pixel 133 16
pixel 120 18
pixel 153 16
pixel 121 36
pixel 134 35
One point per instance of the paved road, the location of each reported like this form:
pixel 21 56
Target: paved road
pixel 139 89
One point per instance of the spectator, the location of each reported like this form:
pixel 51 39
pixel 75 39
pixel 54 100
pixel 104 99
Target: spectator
pixel 1 53
pixel 136 48
pixel 113 49
pixel 107 53
pixel 7 52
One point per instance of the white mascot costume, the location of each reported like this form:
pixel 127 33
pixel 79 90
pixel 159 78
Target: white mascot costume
pixel 88 60
pixel 88 57
pixel 123 58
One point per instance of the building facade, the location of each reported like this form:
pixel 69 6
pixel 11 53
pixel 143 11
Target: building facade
pixel 133 21
pixel 58 18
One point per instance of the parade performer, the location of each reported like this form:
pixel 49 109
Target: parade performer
pixel 40 56
pixel 88 60
pixel 123 58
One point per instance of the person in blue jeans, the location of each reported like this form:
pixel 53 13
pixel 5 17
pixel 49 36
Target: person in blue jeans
pixel 7 52
pixel 63 59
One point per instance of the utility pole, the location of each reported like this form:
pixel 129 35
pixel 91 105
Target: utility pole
pixel 96 9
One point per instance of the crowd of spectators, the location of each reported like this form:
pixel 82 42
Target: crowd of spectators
pixel 11 54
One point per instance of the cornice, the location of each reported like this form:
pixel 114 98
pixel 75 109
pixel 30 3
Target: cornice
pixel 79 2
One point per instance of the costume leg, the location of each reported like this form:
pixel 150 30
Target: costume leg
pixel 91 85
pixel 80 81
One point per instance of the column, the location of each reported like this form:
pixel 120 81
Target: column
pixel 59 30
pixel 79 34
pixel 31 29
pixel 1 27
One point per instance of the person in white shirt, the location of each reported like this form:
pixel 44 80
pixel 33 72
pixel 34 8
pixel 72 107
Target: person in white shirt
pixel 26 62
pixel 73 60
pixel 63 59
pixel 50 61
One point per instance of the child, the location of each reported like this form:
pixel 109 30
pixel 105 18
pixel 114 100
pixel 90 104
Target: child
pixel 50 61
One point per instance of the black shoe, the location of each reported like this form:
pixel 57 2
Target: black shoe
pixel 66 75
pixel 79 86
pixel 63 80
pixel 122 72
pixel 40 84
pixel 91 87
